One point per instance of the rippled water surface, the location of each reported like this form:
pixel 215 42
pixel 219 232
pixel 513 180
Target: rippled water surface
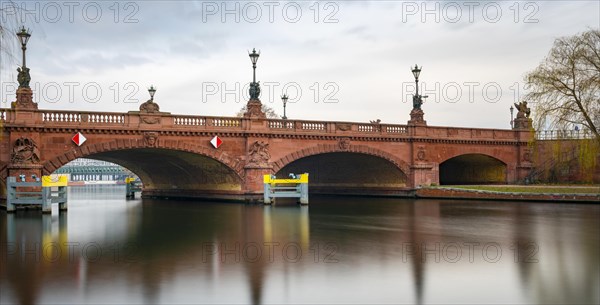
pixel 106 249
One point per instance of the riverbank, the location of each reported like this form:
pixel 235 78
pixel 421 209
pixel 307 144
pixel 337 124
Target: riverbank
pixel 558 193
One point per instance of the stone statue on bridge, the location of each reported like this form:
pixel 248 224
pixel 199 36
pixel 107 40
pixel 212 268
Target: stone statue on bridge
pixel 522 121
pixel 254 90
pixel 417 102
pixel 23 77
pixel 523 110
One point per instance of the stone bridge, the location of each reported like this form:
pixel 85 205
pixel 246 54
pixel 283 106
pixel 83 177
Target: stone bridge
pixel 173 156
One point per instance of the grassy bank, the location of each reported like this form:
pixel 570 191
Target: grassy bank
pixel 539 189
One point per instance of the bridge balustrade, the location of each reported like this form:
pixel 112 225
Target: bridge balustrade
pixel 52 116
pixel 57 118
pixel 189 121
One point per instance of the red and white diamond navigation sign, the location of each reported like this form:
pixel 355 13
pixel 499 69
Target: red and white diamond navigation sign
pixel 78 138
pixel 216 141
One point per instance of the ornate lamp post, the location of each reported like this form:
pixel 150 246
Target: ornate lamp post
pixel 416 71
pixel 512 121
pixel 254 86
pixel 24 38
pixel 254 106
pixel 24 93
pixel 284 99
pixel 416 114
pixel 254 58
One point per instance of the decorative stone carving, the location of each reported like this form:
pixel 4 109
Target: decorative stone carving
pixel 25 151
pixel 451 132
pixel 343 126
pixel 523 110
pixel 254 110
pixel 527 155
pixel 151 138
pixel 344 143
pixel 24 99
pixel 421 154
pixel 258 154
pixel 150 119
pixel 416 117
pixel 149 107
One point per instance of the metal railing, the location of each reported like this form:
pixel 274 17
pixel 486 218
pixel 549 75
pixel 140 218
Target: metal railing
pixel 563 134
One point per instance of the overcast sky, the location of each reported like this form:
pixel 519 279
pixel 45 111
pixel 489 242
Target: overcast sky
pixel 337 60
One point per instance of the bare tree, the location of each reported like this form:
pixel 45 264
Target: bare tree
pixel 565 87
pixel 9 25
pixel 269 112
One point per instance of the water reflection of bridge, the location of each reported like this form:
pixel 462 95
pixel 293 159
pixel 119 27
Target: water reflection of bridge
pixel 216 245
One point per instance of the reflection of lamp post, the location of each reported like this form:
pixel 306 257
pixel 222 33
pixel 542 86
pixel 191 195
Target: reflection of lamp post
pixel 512 122
pixel 284 98
pixel 23 38
pixel 152 90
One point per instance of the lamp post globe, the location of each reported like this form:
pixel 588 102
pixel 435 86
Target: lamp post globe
pixel 152 91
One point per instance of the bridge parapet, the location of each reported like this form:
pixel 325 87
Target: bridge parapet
pixel 166 120
pixel 469 133
pixel 335 127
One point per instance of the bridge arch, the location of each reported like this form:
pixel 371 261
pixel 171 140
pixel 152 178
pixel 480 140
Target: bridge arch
pixel 356 169
pixel 166 168
pixel 333 148
pixel 473 168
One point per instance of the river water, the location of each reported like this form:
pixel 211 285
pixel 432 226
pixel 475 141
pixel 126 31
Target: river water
pixel 106 249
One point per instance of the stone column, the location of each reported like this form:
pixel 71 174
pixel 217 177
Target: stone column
pixel 524 132
pixel 257 165
pixel 254 110
pixel 423 172
pixel 416 117
pixel 24 100
pixel 253 182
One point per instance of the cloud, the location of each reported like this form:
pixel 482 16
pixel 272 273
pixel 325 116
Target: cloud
pixel 365 48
